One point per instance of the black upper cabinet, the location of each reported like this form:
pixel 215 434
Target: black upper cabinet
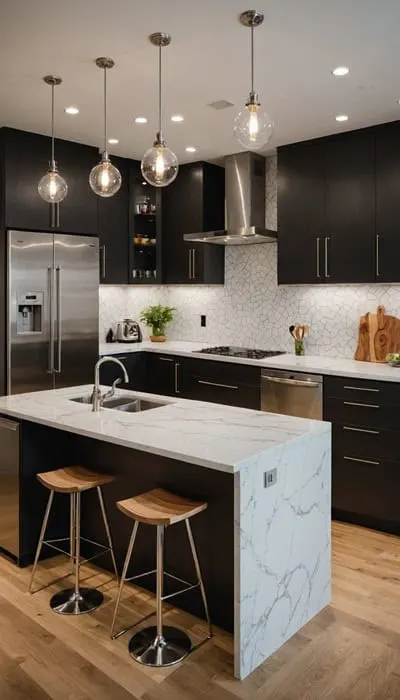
pixel 26 160
pixel 78 211
pixel 301 213
pixel 387 202
pixel 113 230
pixel 326 210
pixel 349 238
pixel 194 202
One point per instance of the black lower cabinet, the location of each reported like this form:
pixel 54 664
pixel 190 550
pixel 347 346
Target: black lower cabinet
pixel 365 451
pixel 226 383
pixel 164 374
pixel 135 364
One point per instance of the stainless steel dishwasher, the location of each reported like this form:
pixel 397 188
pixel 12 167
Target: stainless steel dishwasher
pixel 9 486
pixel 292 393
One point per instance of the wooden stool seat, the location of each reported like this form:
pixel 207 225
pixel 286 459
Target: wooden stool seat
pixel 159 507
pixel 73 480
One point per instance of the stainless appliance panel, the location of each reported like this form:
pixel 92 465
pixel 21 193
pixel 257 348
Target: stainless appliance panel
pixel 9 486
pixel 292 394
pixel 30 274
pixel 76 295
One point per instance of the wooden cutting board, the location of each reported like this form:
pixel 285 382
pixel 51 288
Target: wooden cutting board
pixel 378 334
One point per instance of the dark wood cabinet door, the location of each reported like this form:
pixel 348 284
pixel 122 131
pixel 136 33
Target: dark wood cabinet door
pixel 113 230
pixel 224 383
pixel 387 202
pixel 134 362
pixel 161 374
pixel 349 243
pixel 26 160
pixel 193 203
pixel 78 211
pixel 301 213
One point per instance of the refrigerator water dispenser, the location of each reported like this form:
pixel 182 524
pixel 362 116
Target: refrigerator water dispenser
pixel 30 313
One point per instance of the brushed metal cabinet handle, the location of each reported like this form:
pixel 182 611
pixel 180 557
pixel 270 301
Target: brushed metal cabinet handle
pixel 103 262
pixel 377 255
pixel 327 238
pixel 363 461
pixel 361 388
pixel 361 430
pixel 363 405
pixel 165 359
pixel 194 263
pixel 221 386
pixel 190 263
pixel 318 270
pixel 177 378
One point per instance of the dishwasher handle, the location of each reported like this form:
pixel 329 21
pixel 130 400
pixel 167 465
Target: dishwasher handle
pixel 290 382
pixel 8 424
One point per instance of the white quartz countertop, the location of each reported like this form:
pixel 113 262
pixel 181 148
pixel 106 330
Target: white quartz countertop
pixel 219 437
pixel 308 363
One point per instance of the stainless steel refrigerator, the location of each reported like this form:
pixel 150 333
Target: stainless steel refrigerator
pixel 53 310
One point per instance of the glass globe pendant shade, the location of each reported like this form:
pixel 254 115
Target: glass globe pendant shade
pixel 52 187
pixel 105 179
pixel 159 165
pixel 252 127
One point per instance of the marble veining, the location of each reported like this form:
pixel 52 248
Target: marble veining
pixel 250 309
pixel 210 435
pixel 283 547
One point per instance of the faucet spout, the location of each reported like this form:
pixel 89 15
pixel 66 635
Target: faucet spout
pixel 97 397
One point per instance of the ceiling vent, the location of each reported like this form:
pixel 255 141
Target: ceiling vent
pixel 220 104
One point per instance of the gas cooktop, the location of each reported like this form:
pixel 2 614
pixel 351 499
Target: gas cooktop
pixel 248 353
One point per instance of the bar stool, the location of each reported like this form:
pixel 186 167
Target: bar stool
pixel 73 481
pixel 160 645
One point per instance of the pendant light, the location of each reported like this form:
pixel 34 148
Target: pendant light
pixel 105 179
pixel 52 187
pixel 253 128
pixel 159 165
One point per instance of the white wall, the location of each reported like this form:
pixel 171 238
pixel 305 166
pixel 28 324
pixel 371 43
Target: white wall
pixel 251 310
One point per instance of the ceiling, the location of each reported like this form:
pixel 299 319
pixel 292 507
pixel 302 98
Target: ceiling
pixel 296 48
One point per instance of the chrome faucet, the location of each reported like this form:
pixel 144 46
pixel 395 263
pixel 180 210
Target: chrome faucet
pixel 97 398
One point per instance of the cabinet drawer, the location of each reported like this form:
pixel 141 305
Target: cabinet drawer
pixel 360 390
pixel 224 372
pixel 367 414
pixel 227 394
pixel 370 490
pixel 366 443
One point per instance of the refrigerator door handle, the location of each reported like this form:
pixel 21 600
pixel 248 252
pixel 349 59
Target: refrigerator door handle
pixel 50 367
pixel 59 319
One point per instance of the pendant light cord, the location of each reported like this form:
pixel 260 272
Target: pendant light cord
pixel 105 111
pixel 52 125
pixel 160 93
pixel 252 59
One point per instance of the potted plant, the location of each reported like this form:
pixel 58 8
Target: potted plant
pixel 157 318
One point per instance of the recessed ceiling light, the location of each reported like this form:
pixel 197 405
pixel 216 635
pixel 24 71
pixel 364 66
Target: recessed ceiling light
pixel 112 141
pixel 71 110
pixel 177 118
pixel 141 120
pixel 190 149
pixel 340 70
pixel 341 118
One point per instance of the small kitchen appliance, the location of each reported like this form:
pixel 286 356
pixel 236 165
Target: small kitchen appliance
pixel 128 331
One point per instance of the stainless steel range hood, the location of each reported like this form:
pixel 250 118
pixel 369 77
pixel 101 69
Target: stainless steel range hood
pixel 245 204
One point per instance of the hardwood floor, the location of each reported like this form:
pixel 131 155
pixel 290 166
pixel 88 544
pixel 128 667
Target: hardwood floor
pixel 351 651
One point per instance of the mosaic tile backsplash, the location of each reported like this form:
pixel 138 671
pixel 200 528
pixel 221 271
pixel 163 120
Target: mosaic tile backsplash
pixel 250 309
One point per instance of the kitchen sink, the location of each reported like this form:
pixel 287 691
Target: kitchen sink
pixel 120 403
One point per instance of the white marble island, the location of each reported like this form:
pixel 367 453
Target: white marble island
pixel 278 537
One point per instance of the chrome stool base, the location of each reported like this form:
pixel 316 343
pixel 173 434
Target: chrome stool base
pixel 70 602
pixel 149 649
